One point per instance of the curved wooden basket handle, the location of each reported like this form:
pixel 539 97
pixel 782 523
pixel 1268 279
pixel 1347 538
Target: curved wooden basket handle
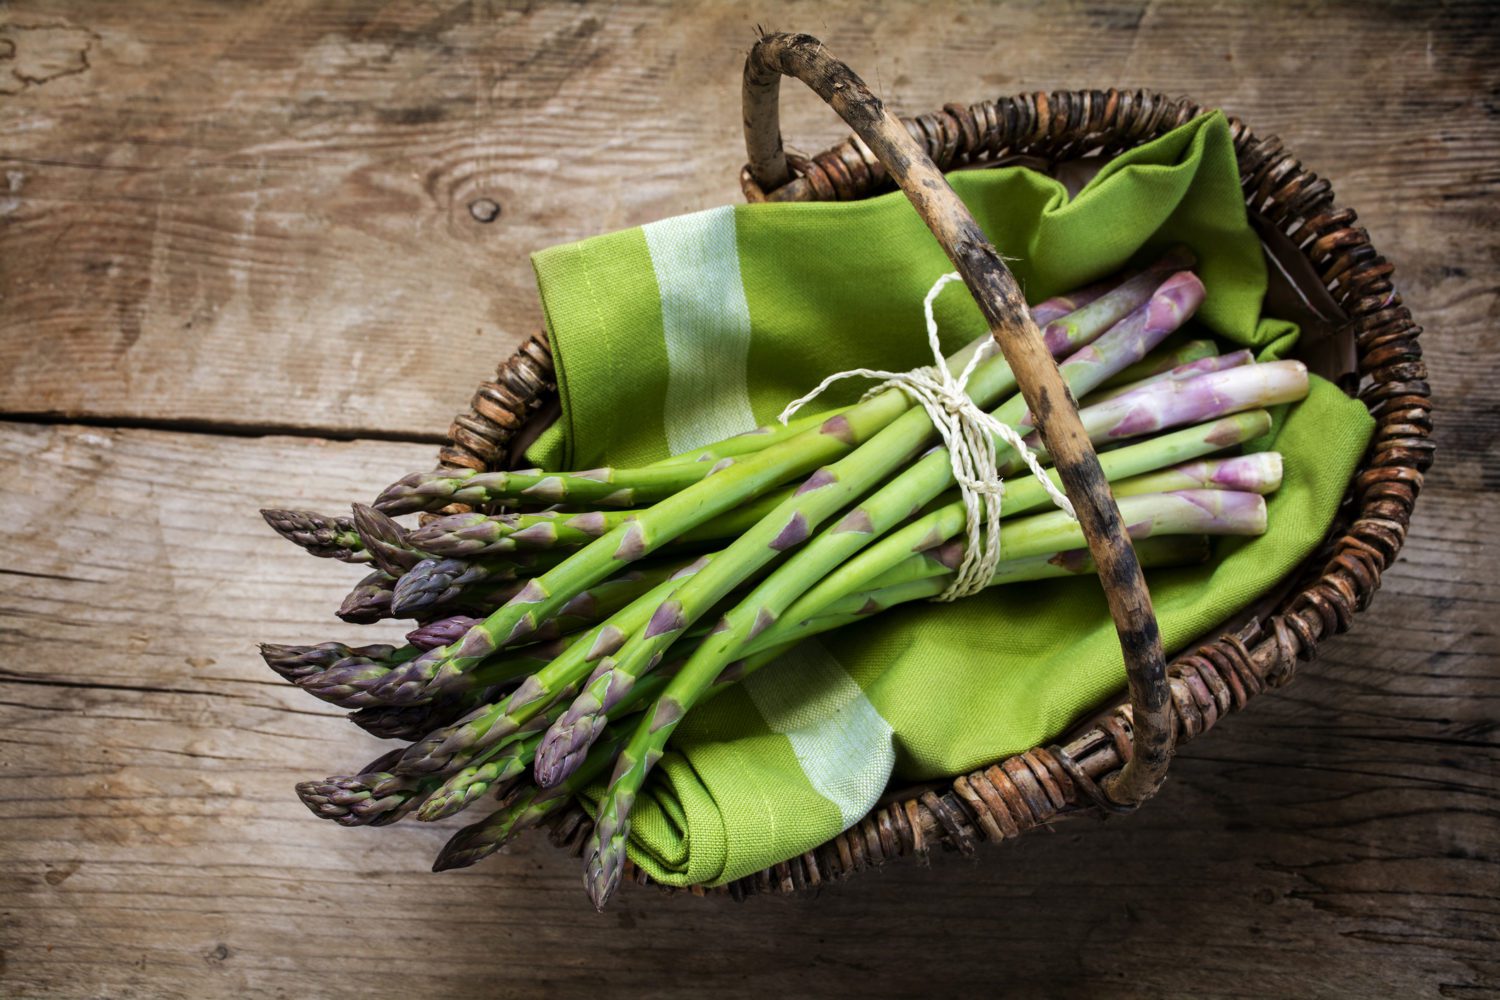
pixel 1004 307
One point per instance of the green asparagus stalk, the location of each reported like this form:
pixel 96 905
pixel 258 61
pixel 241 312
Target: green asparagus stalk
pixel 527 808
pixel 325 537
pixel 1255 473
pixel 1164 310
pixel 751 441
pixel 412 722
pixel 470 535
pixel 465 787
pixel 604 487
pixel 1185 512
pixel 371 797
pixel 1190 512
pixel 464 536
pixel 1153 553
pixel 443 750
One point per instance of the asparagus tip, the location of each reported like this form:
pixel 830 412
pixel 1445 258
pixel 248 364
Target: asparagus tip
pixel 602 873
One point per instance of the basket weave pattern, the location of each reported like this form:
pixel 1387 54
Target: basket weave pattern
pixel 1045 784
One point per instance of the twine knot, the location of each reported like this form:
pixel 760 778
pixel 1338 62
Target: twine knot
pixel 969 434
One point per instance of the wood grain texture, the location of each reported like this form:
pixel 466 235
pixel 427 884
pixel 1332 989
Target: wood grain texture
pixel 232 218
pixel 278 195
pixel 1339 838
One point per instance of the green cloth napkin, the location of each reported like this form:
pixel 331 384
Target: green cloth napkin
pixel 688 330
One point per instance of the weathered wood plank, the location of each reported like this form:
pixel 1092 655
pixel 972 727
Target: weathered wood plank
pixel 213 198
pixel 1336 840
pixel 210 198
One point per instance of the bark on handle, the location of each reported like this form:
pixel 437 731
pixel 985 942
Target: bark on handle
pixel 1004 307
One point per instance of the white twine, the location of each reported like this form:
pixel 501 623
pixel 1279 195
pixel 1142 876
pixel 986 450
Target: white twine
pixel 969 434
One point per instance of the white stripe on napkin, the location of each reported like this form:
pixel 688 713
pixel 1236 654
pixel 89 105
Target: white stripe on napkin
pixel 706 325
pixel 842 743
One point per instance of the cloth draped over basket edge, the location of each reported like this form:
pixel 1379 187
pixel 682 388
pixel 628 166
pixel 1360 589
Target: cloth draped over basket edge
pixel 690 329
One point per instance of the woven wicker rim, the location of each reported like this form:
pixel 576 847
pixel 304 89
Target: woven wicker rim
pixel 1045 784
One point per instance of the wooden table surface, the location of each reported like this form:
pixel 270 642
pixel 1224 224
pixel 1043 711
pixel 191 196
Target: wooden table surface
pixel 238 243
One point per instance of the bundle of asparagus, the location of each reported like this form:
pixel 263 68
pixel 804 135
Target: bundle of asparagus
pixel 571 619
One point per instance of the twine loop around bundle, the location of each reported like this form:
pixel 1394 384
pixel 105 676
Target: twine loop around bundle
pixel 969 434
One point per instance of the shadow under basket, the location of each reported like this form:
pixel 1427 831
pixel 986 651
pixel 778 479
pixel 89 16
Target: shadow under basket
pixel 1325 275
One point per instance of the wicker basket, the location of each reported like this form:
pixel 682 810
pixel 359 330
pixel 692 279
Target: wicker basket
pixel 1342 291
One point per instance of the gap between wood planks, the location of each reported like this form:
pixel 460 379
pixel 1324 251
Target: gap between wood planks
pixel 249 429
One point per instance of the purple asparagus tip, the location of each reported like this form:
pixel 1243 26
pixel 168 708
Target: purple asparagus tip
pixel 443 632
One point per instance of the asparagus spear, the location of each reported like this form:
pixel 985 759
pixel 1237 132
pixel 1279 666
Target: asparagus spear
pixel 1255 473
pixel 741 481
pixel 751 441
pixel 939 525
pixel 1169 355
pixel 559 677
pixel 604 487
pixel 386 541
pixel 1154 552
pixel 293 663
pixel 325 537
pixel 1164 310
pixel 528 807
pixel 1185 512
pixel 370 600
pixel 412 722
pixel 1187 370
pixel 469 535
pixel 435 583
pixel 1171 403
pixel 463 536
pixel 371 797
pixel 463 788
pixel 440 632
pixel 530 804
pixel 1189 512
pixel 358 682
